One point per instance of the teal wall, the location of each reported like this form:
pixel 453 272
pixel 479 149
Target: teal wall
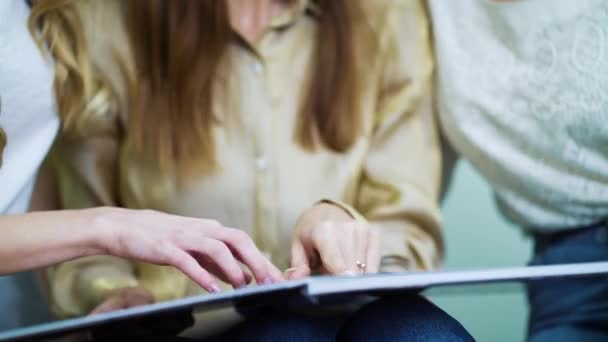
pixel 478 236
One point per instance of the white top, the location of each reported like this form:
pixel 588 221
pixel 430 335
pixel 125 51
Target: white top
pixel 27 112
pixel 523 94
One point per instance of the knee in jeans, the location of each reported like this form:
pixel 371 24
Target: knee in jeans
pixel 403 318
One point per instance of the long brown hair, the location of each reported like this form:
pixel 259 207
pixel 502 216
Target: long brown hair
pixel 177 48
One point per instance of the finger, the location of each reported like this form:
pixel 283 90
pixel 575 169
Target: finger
pixel 211 267
pixel 248 276
pixel 274 269
pixel 329 249
pixel 124 299
pixel 227 267
pixel 111 304
pixel 299 273
pixel 362 238
pixel 136 297
pixel 288 273
pixel 348 243
pixel 374 247
pixel 189 266
pixel 214 269
pixel 299 262
pixel 246 251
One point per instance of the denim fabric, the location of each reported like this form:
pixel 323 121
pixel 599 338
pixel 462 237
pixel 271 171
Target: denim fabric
pixel 570 309
pixel 22 302
pixel 395 318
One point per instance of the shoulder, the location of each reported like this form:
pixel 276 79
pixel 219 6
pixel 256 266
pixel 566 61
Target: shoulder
pixel 381 12
pixel 397 21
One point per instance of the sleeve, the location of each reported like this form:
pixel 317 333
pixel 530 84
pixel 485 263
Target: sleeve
pixel 86 170
pixel 399 187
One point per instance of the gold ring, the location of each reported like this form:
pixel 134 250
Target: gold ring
pixel 361 266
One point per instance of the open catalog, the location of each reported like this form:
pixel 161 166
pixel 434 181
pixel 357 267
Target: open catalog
pixel 310 291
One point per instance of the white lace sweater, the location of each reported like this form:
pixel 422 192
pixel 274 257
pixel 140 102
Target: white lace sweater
pixel 523 94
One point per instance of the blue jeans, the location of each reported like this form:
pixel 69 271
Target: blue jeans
pixel 571 309
pixel 394 318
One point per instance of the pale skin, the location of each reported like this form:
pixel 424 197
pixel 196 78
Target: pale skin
pixel 326 238
pixel 203 249
pixel 40 239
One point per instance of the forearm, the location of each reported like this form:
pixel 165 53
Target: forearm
pixel 44 238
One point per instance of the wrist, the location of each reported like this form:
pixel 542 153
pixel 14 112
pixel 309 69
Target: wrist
pixel 351 211
pixel 331 211
pixel 103 230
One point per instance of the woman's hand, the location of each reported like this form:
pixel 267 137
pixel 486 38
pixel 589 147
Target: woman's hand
pixel 329 240
pixel 123 299
pixel 197 247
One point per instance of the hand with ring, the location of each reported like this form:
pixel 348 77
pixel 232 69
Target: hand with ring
pixel 329 241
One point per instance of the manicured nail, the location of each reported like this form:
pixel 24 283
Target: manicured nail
pixel 290 270
pixel 215 288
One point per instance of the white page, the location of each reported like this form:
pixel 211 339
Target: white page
pixel 423 280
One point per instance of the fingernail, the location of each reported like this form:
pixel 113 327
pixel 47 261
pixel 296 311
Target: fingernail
pixel 215 288
pixel 267 281
pixel 349 273
pixel 290 270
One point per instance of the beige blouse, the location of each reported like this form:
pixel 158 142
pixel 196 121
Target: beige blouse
pixel 389 178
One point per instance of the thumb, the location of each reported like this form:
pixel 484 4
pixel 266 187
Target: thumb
pixel 299 261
